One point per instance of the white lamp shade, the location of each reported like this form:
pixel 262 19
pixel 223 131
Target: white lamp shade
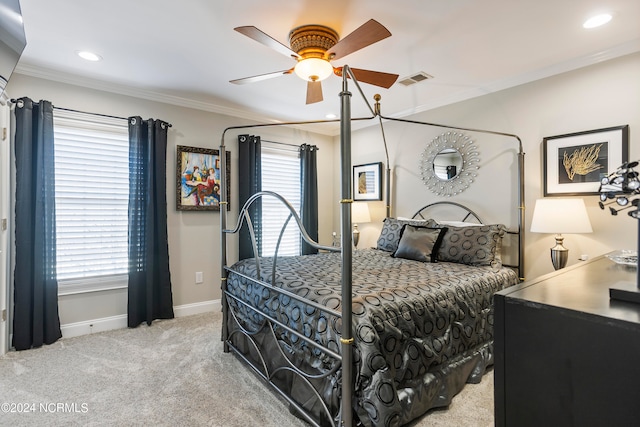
pixel 360 213
pixel 313 69
pixel 560 216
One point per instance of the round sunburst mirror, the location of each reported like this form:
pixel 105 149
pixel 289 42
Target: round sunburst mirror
pixel 449 163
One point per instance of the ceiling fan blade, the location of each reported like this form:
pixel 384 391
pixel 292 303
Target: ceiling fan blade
pixel 376 78
pixel 261 77
pixel 368 33
pixel 261 37
pixel 314 92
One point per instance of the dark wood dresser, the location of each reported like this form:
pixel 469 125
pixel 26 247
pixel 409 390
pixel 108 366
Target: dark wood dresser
pixel 565 354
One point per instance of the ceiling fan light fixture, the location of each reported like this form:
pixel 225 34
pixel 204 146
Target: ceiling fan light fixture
pixel 313 69
pixel 314 46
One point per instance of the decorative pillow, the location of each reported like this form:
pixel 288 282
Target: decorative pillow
pixel 419 243
pixel 477 245
pixel 390 234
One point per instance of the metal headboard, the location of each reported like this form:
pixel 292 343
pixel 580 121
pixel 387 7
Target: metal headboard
pixel 466 212
pixel 467 215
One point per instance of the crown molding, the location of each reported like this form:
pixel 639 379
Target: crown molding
pixel 72 79
pixel 623 49
pixel 120 89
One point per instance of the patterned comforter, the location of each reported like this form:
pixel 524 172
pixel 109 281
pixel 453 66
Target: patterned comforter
pixel 421 330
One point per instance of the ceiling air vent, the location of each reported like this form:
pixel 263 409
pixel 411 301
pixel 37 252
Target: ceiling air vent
pixel 415 78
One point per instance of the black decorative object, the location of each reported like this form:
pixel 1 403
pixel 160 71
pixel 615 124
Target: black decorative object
pixel 621 191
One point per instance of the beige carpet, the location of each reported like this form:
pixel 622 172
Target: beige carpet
pixel 172 373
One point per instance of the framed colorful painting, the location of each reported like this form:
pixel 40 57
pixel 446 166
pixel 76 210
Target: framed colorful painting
pixel 575 163
pixel 198 179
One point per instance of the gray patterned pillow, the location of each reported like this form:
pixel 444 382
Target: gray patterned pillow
pixel 474 245
pixel 390 234
pixel 419 243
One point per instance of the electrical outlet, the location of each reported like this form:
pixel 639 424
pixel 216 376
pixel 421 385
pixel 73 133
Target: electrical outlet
pixel 199 277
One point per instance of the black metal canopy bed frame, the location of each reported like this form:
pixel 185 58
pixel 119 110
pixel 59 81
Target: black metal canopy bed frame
pixel 369 337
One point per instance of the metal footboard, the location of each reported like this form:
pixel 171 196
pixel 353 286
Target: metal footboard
pixel 263 344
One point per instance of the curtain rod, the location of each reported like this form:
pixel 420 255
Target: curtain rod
pixel 93 114
pixel 283 143
pixel 98 114
pixel 13 101
pixel 291 149
pixel 279 143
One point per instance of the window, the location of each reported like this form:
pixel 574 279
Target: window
pixel 92 197
pixel 281 174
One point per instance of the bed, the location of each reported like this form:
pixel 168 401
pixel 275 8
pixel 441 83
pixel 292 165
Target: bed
pixel 373 337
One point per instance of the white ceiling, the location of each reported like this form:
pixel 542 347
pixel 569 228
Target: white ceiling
pixel 185 52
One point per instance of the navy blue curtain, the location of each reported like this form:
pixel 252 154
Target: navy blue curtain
pixel 309 194
pixel 250 182
pixel 35 297
pixel 149 293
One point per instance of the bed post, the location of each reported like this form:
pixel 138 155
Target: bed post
pixel 522 210
pixel 387 184
pixel 223 243
pixel 346 201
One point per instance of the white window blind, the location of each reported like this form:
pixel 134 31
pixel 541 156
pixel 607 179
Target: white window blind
pixel 92 195
pixel 281 174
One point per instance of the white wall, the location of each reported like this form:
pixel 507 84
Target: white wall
pixel 194 237
pixel 594 97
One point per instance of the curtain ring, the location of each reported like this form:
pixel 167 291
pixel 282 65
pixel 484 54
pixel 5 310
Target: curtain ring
pixel 20 103
pixel 133 120
pixel 243 138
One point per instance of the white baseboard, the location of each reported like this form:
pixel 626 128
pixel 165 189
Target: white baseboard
pixel 94 325
pixel 197 308
pixel 119 322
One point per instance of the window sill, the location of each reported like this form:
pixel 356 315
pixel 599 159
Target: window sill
pixel 92 284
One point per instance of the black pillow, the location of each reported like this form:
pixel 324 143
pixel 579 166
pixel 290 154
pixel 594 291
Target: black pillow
pixel 419 243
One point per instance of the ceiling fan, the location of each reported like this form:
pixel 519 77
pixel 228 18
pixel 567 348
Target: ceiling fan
pixel 314 46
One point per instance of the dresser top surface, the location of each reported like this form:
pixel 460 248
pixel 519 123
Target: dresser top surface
pixel 583 288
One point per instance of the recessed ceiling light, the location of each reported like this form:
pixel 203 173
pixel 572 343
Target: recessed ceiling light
pixel 89 56
pixel 597 20
pixel 331 116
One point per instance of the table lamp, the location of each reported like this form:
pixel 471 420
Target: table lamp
pixel 359 214
pixel 559 216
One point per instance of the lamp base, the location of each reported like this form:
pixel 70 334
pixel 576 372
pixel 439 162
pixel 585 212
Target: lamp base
pixel 625 291
pixel 559 254
pixel 355 235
